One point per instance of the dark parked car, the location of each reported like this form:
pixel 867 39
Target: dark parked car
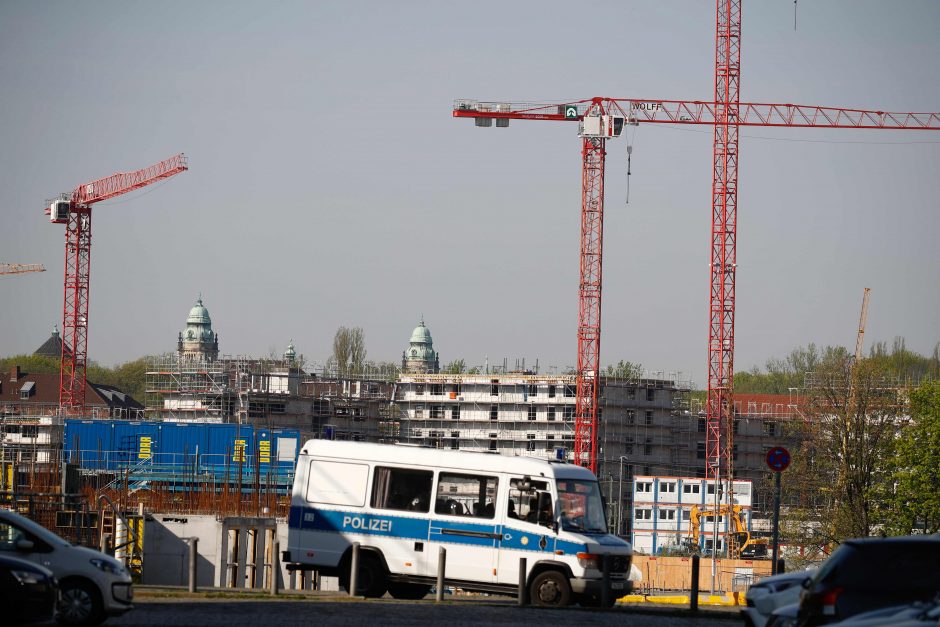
pixel 871 573
pixel 28 592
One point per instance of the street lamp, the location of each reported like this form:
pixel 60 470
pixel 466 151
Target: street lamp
pixel 620 499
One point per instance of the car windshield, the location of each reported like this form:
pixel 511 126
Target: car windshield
pixel 9 521
pixel 581 506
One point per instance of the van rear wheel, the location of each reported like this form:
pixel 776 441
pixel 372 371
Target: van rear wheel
pixel 408 591
pixel 550 589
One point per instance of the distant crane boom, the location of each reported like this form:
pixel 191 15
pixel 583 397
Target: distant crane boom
pixel 20 268
pixel 74 210
pixel 862 321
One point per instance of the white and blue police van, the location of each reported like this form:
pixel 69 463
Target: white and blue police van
pixel 401 503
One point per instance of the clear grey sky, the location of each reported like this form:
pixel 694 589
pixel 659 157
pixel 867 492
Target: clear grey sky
pixel 329 184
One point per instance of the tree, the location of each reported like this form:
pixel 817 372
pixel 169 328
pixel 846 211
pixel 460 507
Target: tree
pixel 915 502
pixel 624 370
pixel 842 466
pixel 458 366
pixel 349 350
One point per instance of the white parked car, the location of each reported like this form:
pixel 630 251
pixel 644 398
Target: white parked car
pixel 770 593
pixel 93 585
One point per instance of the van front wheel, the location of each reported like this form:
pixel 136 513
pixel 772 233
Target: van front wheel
pixel 550 589
pixel 371 582
pixel 408 591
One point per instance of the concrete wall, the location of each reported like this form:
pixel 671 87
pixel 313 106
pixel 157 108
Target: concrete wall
pixel 166 553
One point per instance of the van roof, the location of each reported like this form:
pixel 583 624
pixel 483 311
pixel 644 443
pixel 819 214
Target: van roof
pixel 432 457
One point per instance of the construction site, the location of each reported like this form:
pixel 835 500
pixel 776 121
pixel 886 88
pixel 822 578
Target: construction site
pixel 217 436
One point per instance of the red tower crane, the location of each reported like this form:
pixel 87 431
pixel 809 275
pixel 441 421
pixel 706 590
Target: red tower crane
pixel 602 118
pixel 74 210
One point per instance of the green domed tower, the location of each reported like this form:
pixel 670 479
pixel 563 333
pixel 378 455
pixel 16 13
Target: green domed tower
pixel 198 341
pixel 420 357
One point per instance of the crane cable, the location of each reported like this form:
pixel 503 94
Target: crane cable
pixel 631 121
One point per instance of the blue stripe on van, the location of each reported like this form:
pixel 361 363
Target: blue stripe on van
pixel 440 530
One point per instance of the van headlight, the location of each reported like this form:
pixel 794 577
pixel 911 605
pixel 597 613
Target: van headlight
pixel 589 560
pixel 107 566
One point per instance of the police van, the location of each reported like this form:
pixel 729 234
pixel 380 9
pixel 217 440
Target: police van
pixel 401 503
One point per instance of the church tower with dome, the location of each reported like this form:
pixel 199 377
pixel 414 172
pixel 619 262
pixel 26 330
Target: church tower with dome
pixel 420 357
pixel 198 341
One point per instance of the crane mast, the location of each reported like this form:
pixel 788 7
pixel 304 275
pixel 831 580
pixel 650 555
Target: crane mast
pixel 74 210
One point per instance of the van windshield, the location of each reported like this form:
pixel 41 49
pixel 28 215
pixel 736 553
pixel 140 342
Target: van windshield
pixel 581 506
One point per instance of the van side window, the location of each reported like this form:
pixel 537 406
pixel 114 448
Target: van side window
pixel 523 505
pixel 402 488
pixel 466 495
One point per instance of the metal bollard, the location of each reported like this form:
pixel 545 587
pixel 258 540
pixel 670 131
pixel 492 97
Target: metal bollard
pixel 106 543
pixel 193 561
pixel 441 567
pixel 275 566
pixel 354 569
pixel 605 581
pixel 693 594
pixel 522 578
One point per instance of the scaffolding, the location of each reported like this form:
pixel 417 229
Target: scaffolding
pixel 187 389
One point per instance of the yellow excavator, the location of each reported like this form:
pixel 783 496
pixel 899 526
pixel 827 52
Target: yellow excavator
pixel 739 540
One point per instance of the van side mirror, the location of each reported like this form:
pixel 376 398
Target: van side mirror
pixel 24 545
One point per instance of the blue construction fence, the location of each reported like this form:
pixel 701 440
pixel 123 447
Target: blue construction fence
pixel 184 449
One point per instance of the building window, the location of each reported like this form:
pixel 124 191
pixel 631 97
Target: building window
pixel 644 514
pixel 650 394
pixel 569 391
pixel 455 440
pixel 667 514
pixel 550 442
pixel 419 389
pixel 455 390
pixel 668 487
pixel 700 450
pixel 734 452
pixel 551 412
pixel 631 416
pixel 737 421
pixel 437 389
pixel 494 412
pixel 628 449
pixel 530 442
pixel 770 428
pixel 531 412
pixel 686 514
pixel 455 412
pixel 648 447
pixel 647 470
pixel 569 413
pixel 437 411
pixel 551 391
pixel 492 441
pixel 631 393
pixel 702 424
pixel 648 418
pixel 644 487
pixel 691 488
pixel 533 390
pixel 494 387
